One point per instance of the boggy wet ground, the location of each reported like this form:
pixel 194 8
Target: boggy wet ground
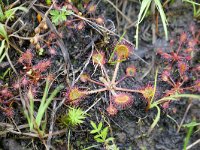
pixel 129 127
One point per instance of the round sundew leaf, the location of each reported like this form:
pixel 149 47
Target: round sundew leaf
pixel 98 58
pixel 148 92
pixel 111 110
pixel 122 100
pixel 131 71
pixel 122 51
pixel 75 94
pixel 84 77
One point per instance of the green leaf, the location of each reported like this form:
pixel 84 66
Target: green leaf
pixel 191 124
pixel 100 126
pixel 143 11
pixel 110 139
pixel 93 131
pixel 48 2
pixel 2 47
pixel 9 14
pixel 3 32
pixel 104 132
pixel 97 136
pixel 2 16
pixel 76 116
pixel 192 2
pixel 3 50
pixel 93 124
pixel 187 138
pixel 3 75
pixel 163 17
pixel 59 16
pixel 99 140
pixel 155 122
pixel 45 102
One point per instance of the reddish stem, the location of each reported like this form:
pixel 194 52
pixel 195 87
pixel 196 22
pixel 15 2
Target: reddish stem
pixel 124 77
pixel 115 72
pixel 105 73
pixel 96 82
pixel 95 91
pixel 127 90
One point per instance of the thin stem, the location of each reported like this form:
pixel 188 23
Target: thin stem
pixel 189 88
pixel 95 91
pixel 115 72
pixel 121 13
pixel 179 47
pixel 185 114
pixel 105 73
pixel 171 82
pixel 124 77
pixel 127 90
pixel 96 82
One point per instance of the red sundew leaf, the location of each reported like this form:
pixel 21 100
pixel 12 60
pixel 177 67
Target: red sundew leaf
pixel 197 85
pixel 42 65
pixel 175 56
pixel 100 20
pixel 111 110
pixel 188 58
pixel 84 77
pixel 183 37
pixel 74 95
pixel 182 66
pixel 131 71
pixel 197 68
pixel 123 50
pixel 9 112
pixel 192 28
pixel 159 51
pixel 122 100
pixel 148 92
pixel 171 43
pixel 165 105
pixel 6 93
pixel 91 8
pixel 165 75
pixel 189 50
pixel 98 58
pixel 26 57
pixel 192 43
pixel 80 25
pixel 166 56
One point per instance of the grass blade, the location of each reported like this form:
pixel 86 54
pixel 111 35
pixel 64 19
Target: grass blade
pixel 155 122
pixel 143 11
pixel 163 17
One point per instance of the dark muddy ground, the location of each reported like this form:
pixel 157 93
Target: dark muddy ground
pixel 129 126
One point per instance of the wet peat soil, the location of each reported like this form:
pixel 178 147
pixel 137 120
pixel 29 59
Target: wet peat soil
pixel 129 126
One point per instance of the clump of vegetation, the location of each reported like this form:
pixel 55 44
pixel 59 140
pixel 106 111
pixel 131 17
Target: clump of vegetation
pixel 101 136
pixel 120 99
pixel 6 101
pixel 74 117
pixel 41 46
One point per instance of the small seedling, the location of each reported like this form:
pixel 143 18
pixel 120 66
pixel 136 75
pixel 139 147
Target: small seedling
pixel 74 117
pixel 9 14
pixel 59 16
pixel 101 135
pixel 78 12
pixel 5 103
